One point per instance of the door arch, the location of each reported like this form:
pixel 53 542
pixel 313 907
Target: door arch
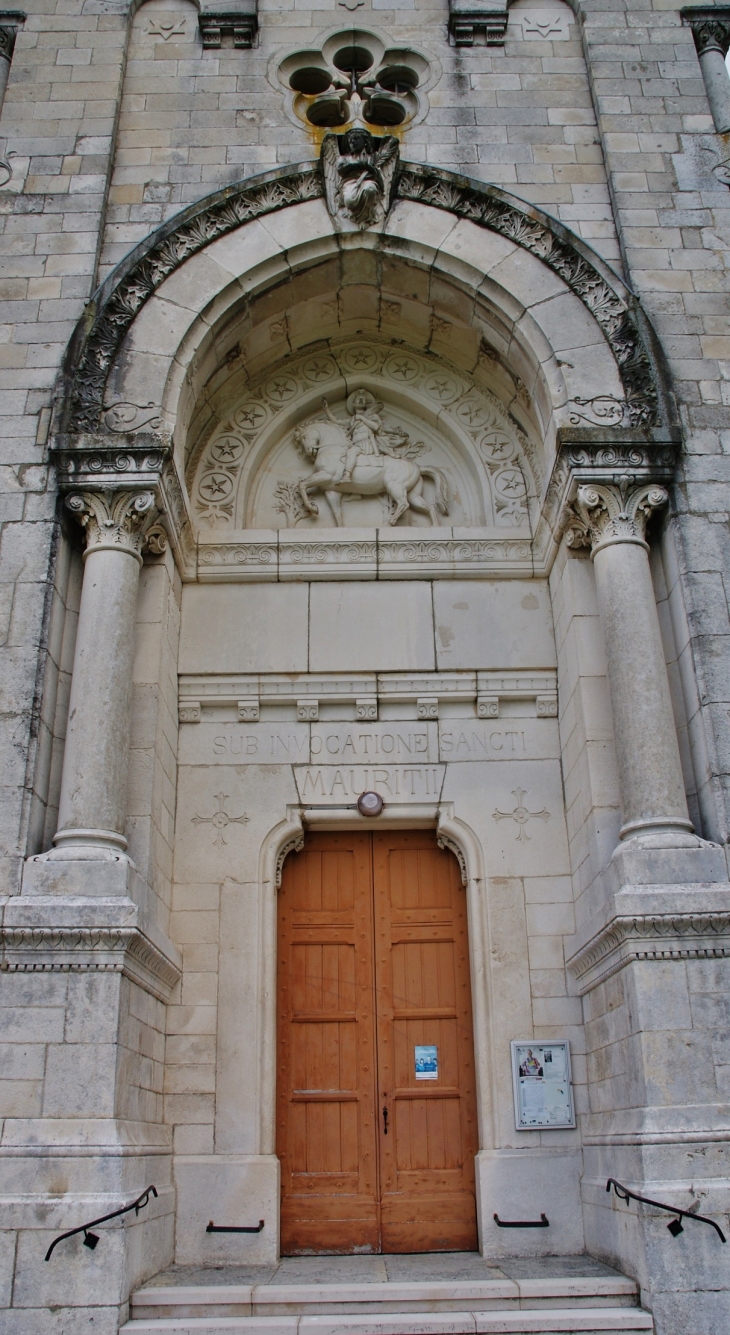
pixel 376 1090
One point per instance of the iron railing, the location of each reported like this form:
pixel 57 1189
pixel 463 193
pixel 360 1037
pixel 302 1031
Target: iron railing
pixel 91 1239
pixel 674 1225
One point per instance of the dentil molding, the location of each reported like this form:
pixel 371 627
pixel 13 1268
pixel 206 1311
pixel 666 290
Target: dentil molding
pixel 650 936
pixel 477 694
pixel 124 950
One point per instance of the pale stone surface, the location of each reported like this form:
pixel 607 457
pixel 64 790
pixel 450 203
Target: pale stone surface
pixel 315 662
pixel 346 625
pixel 238 630
pixel 493 625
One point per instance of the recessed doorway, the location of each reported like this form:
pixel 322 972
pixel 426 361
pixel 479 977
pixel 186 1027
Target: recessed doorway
pixel 376 1098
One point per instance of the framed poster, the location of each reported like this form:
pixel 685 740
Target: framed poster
pixel 542 1085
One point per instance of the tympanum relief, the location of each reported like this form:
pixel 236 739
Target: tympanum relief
pixel 364 435
pixel 360 458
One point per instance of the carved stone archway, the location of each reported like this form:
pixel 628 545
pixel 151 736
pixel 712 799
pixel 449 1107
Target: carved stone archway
pixel 110 313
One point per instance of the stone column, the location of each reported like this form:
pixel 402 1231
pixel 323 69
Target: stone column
pixel 712 39
pixel 93 785
pixel 653 798
pixel 7 43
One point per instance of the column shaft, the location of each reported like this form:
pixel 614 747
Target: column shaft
pixel 650 772
pixel 717 84
pixel 92 808
pixel 93 788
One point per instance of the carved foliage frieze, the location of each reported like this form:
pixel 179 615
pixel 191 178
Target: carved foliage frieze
pixel 488 209
pixel 125 950
pixel 135 283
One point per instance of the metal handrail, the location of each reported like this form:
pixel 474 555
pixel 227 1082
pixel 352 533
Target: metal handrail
pixel 90 1239
pixel 674 1225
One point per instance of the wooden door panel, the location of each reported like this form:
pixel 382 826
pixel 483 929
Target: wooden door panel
pixel 326 1052
pixel 427 1187
pixel 373 962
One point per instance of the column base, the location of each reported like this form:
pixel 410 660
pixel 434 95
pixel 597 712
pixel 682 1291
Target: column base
pixel 85 870
pixel 86 843
pixel 103 1165
pixel 683 1281
pixel 655 856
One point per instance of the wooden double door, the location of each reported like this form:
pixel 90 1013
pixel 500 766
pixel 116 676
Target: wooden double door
pixel 376 1100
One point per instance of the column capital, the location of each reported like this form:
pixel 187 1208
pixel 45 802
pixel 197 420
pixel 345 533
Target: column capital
pixel 96 471
pixel 119 521
pixel 710 28
pixel 10 21
pixel 610 462
pixel 608 513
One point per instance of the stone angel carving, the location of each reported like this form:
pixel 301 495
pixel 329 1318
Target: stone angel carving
pixel 359 170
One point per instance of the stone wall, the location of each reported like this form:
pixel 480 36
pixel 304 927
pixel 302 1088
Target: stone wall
pixel 113 122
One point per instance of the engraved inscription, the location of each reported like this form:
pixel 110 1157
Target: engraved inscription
pixel 464 742
pixel 399 742
pixel 333 784
pixel 261 745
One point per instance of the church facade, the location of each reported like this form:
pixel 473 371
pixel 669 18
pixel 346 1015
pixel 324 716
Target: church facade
pixel 365 671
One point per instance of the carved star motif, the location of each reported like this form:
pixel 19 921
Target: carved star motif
pixel 215 485
pixel 318 370
pixel 401 369
pixel 225 450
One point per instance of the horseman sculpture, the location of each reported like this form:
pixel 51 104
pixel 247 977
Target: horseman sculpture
pixel 361 459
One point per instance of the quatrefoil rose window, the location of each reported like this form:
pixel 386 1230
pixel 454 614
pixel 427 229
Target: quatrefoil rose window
pixel 354 77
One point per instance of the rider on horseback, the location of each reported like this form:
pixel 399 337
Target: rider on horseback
pixel 363 430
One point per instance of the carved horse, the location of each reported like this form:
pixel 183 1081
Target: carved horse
pixel 326 444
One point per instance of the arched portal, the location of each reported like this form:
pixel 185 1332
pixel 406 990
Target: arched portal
pixel 360 445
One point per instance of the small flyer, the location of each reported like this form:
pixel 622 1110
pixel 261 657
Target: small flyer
pixel 542 1085
pixel 426 1059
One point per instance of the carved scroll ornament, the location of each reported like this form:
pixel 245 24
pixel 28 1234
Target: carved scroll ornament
pixel 118 521
pixel 615 513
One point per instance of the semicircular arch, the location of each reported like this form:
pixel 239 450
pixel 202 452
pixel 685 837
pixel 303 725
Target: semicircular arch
pixel 106 325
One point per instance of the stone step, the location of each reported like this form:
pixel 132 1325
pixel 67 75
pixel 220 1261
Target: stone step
pixel 503 1321
pixel 319 1299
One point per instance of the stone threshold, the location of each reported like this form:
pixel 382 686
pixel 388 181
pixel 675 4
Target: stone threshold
pixel 583 1321
pixel 394 1295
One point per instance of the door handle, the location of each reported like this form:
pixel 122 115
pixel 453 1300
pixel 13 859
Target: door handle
pixel 385 1121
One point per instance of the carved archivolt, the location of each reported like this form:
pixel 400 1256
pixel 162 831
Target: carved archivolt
pixel 477 467
pixel 106 321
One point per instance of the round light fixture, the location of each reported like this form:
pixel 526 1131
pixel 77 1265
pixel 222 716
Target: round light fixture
pixel 370 804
